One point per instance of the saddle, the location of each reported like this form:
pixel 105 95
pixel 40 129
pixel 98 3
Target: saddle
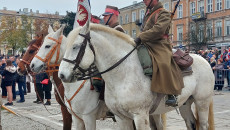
pixel 183 60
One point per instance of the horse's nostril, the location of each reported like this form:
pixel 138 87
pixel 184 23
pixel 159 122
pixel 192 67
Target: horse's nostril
pixel 19 69
pixel 62 76
pixel 32 66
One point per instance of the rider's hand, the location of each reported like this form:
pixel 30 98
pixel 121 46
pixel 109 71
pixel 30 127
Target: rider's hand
pixel 137 41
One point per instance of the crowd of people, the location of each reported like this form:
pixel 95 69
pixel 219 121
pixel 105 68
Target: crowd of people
pixel 14 84
pixel 220 64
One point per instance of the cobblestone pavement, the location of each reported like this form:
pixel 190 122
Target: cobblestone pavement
pixel 35 116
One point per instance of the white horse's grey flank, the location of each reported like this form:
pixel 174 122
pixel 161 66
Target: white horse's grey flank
pixel 127 92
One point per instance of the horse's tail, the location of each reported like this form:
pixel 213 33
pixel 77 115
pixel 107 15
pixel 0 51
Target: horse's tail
pixel 210 118
pixel 163 116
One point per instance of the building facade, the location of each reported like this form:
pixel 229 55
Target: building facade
pixel 34 16
pixel 208 16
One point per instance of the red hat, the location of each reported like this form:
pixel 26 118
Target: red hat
pixel 95 19
pixel 111 10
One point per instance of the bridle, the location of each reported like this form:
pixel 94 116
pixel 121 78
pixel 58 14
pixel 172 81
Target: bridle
pixel 52 67
pixel 77 61
pixel 27 63
pixel 92 70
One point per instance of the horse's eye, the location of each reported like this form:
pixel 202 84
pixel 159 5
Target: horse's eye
pixel 47 46
pixel 74 47
pixel 31 51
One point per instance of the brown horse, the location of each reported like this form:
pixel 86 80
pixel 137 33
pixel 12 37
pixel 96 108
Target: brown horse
pixel 23 68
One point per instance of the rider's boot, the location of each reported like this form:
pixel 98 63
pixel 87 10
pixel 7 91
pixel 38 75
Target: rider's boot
pixel 172 101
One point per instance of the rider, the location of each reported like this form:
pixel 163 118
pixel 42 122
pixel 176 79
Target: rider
pixel 111 18
pixel 166 77
pixel 95 19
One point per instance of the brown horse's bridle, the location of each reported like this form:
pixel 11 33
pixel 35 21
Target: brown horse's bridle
pixel 52 67
pixel 27 63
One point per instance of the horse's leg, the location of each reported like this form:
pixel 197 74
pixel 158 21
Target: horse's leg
pixel 124 123
pixel 156 122
pixel 142 121
pixel 90 121
pixel 79 124
pixel 66 116
pixel 187 114
pixel 202 107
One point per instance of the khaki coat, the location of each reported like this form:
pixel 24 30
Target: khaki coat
pixel 166 78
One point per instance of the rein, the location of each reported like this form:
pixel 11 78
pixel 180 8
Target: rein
pixel 52 67
pixel 90 72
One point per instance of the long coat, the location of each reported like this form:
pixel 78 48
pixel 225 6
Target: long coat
pixel 166 78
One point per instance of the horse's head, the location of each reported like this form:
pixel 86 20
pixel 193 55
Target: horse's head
pixel 51 51
pixel 31 51
pixel 79 55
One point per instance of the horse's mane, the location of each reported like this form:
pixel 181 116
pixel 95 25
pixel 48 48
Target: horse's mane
pixel 97 27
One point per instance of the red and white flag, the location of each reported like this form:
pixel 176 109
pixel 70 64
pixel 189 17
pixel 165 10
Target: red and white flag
pixel 83 13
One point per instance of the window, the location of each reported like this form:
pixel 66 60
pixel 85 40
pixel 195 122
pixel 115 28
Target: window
pixel 179 11
pixel 166 6
pixel 180 34
pixel 201 33
pixel 126 18
pixel 209 30
pixel 134 33
pixel 192 8
pixel 209 8
pixel 121 20
pixel 200 6
pixel 218 28
pixel 227 27
pixel 126 32
pixel 227 4
pixel 142 14
pixel 218 4
pixel 133 16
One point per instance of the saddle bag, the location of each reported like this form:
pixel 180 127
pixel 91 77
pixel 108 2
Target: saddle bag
pixel 145 60
pixel 183 60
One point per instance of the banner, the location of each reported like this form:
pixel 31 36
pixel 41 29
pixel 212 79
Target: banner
pixel 83 13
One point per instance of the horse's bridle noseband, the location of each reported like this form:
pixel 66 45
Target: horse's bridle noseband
pixel 80 55
pixel 52 67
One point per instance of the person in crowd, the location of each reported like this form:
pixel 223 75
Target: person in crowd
pixel 212 62
pixel 20 79
pixel 12 59
pixel 42 88
pixel 2 67
pixel 7 75
pixel 111 18
pixel 219 75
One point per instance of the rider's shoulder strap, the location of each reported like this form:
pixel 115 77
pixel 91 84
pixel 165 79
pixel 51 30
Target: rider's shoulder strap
pixel 155 12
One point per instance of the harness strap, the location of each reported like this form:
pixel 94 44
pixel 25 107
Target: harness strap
pixel 69 100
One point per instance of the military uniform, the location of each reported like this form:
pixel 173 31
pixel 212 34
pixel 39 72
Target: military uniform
pixel 166 77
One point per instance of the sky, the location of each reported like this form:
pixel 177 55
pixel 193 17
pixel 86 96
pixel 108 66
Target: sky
pixel 51 6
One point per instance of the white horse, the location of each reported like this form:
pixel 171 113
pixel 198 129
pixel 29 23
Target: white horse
pixel 85 106
pixel 127 91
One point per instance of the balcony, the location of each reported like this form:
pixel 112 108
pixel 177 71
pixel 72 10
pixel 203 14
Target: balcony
pixel 199 16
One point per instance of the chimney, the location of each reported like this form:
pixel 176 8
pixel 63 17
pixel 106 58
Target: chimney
pixel 4 8
pixel 31 11
pixel 25 10
pixel 134 2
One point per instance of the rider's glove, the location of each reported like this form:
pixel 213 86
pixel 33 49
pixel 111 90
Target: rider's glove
pixel 137 41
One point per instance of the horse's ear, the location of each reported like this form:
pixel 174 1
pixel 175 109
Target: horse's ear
pixel 85 29
pixel 60 30
pixel 50 30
